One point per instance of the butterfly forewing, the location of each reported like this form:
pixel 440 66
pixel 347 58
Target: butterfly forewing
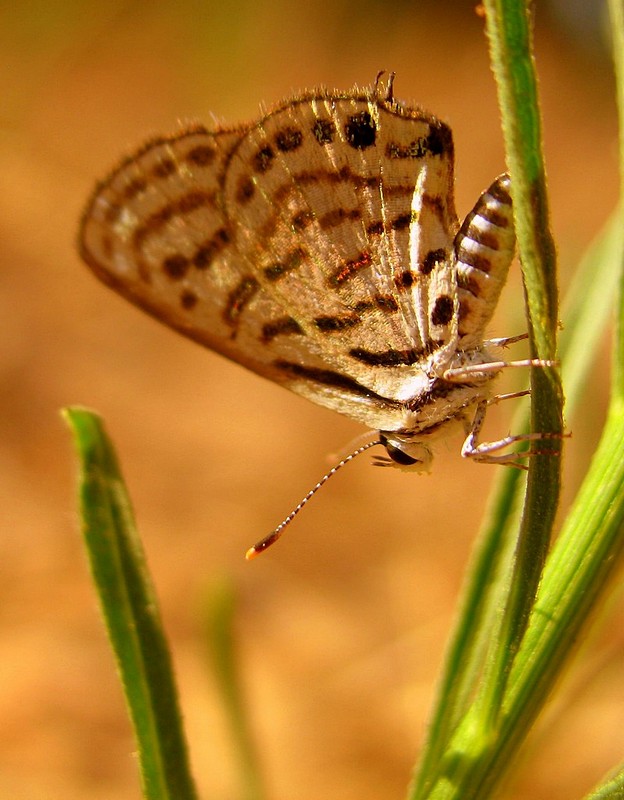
pixel 315 247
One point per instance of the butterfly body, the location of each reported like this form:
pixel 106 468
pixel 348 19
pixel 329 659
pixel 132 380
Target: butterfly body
pixel 319 247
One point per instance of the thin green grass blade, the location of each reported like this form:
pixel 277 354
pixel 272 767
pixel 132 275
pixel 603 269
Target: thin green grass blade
pixel 463 664
pixel 585 555
pixel 589 309
pixel 130 611
pixel 219 626
pixel 611 789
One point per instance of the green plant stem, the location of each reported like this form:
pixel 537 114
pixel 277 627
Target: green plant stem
pixel 463 737
pixel 509 34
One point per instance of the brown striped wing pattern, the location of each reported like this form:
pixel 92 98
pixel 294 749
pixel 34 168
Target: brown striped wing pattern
pixel 318 247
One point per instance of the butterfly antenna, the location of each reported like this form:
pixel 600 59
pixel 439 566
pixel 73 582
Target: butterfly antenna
pixel 262 545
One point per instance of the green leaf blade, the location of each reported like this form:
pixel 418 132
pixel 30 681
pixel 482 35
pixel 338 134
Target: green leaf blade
pixel 130 611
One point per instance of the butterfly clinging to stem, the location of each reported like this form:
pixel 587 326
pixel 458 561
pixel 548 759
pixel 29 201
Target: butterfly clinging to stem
pixel 320 247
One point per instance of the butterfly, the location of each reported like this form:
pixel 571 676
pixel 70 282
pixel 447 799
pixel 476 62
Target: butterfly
pixel 320 247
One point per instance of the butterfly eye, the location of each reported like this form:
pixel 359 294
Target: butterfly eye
pixel 400 457
pixel 407 454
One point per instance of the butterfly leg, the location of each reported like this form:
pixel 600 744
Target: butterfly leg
pixel 508 396
pixel 505 341
pixel 488 452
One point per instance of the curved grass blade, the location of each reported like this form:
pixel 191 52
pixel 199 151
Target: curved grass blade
pixel 130 611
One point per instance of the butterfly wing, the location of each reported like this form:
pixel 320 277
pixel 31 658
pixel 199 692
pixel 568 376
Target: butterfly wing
pixel 314 247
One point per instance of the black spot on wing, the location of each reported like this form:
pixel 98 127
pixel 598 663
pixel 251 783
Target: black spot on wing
pixel 336 380
pixel 238 298
pixel 387 358
pixel 324 131
pixel 288 139
pixel 327 324
pixel 442 312
pixel 361 131
pixel 432 258
pixel 285 326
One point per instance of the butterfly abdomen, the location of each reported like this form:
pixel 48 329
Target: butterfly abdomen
pixel 484 249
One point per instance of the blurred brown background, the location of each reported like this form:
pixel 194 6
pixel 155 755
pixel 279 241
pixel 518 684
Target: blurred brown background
pixel 341 626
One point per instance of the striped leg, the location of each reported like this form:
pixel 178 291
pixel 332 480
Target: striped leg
pixel 488 452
